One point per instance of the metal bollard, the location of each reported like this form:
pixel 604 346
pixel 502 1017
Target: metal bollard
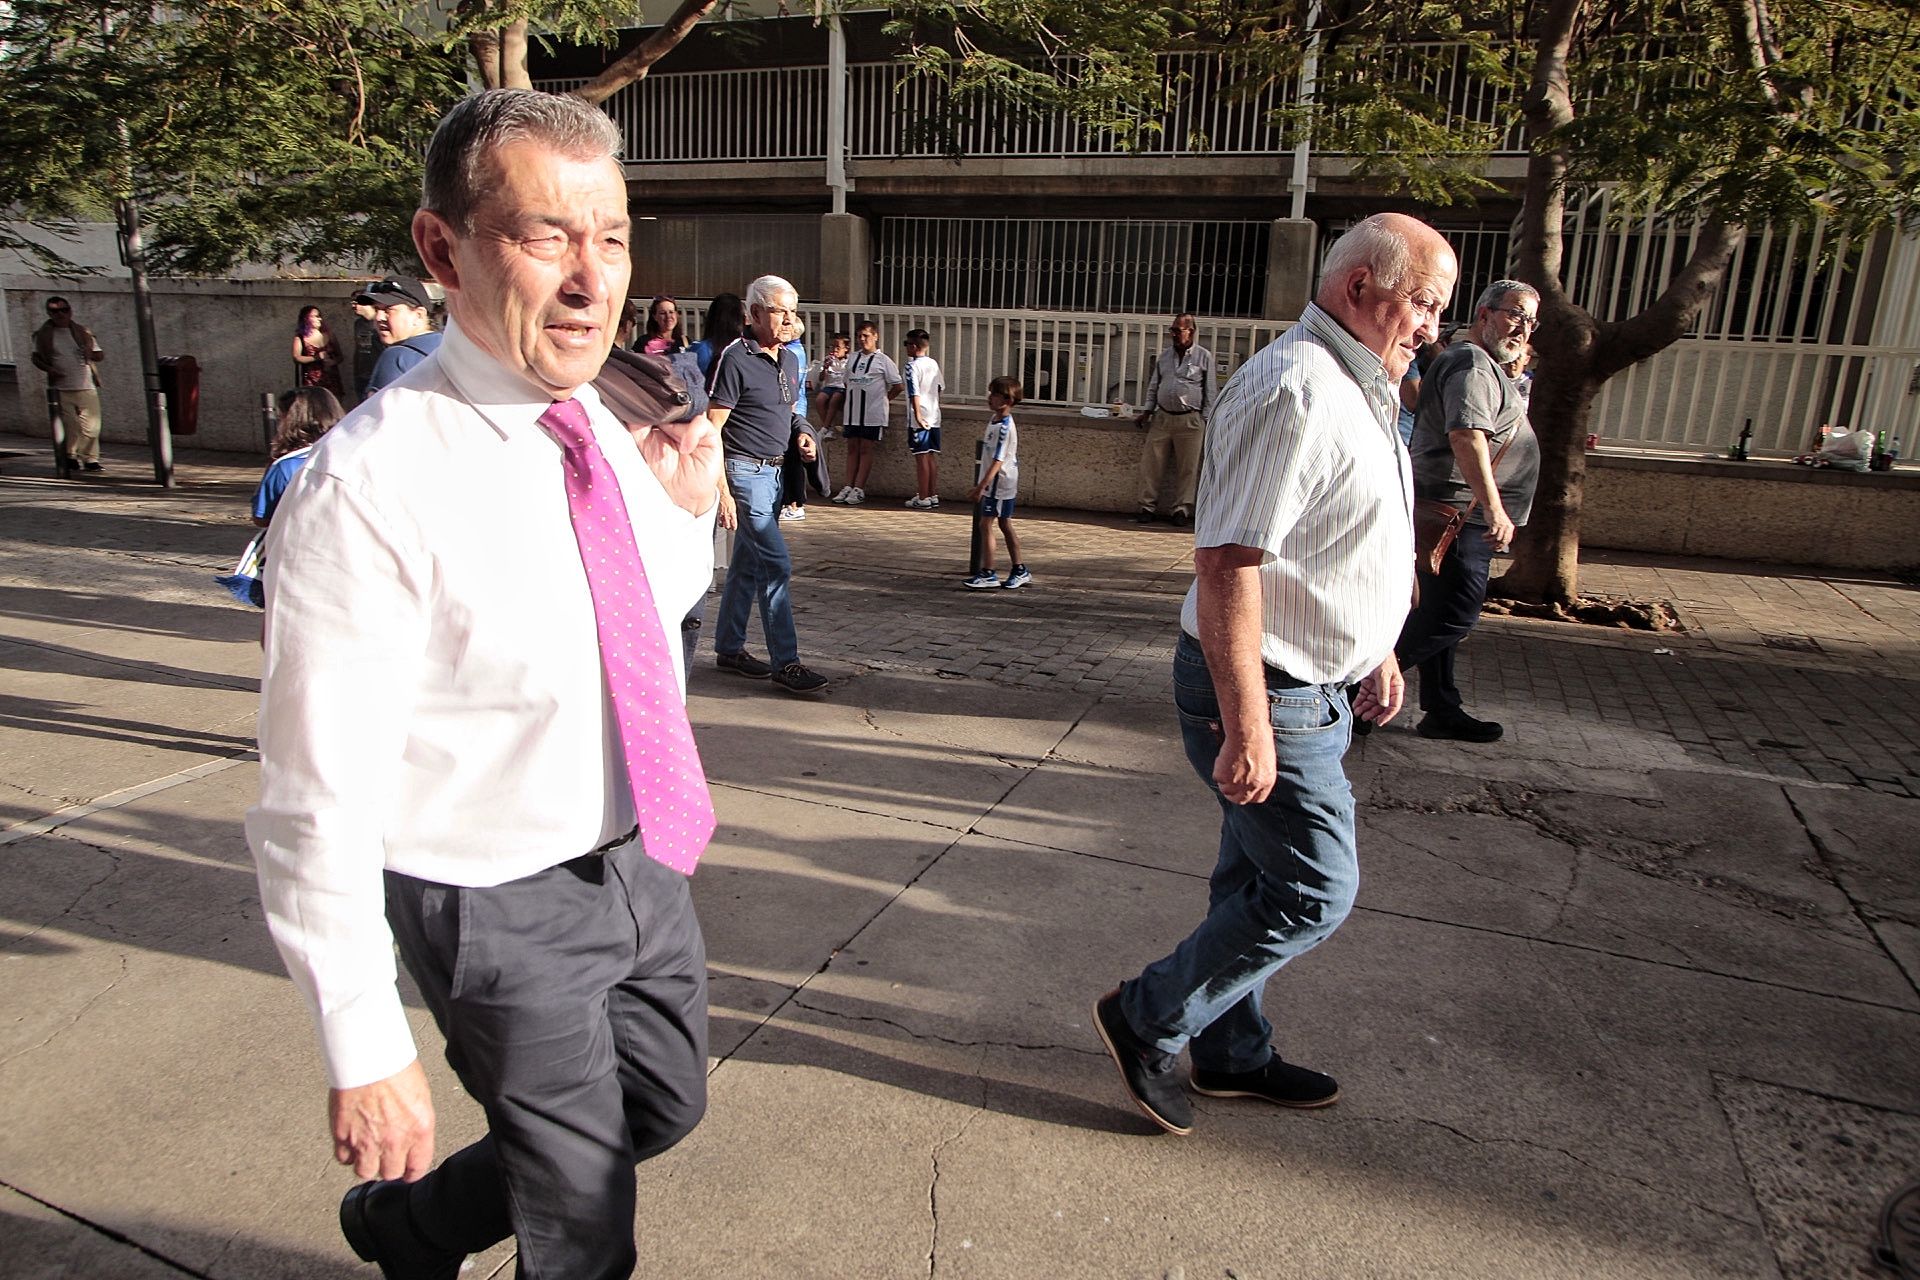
pixel 976 554
pixel 62 462
pixel 269 420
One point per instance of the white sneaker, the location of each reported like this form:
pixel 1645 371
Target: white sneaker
pixel 856 496
pixel 793 513
pixel 982 582
pixel 844 496
pixel 916 502
pixel 1017 579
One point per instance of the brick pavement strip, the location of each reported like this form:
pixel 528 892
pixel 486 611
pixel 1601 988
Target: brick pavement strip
pixel 880 587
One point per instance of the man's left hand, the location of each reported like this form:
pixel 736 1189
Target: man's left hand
pixel 808 449
pixel 685 458
pixel 1381 694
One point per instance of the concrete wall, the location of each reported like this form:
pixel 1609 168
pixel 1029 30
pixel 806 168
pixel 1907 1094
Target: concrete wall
pixel 241 331
pixel 1771 512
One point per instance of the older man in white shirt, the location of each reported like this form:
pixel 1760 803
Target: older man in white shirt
pixel 1303 571
pixel 473 733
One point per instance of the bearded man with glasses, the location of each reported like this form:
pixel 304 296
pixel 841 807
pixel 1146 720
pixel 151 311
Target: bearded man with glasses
pixel 1472 414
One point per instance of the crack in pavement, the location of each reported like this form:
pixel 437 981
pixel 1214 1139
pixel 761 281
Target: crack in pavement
pixel 113 869
pixel 101 1229
pixel 928 1036
pixel 1829 862
pixel 933 1181
pixel 1613 1174
pixel 1694 968
pixel 72 1022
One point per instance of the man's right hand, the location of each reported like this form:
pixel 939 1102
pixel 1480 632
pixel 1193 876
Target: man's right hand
pixel 1499 529
pixel 1245 770
pixel 385 1129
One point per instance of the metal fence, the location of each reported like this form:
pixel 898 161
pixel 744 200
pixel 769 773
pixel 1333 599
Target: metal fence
pixel 1211 268
pixel 1210 104
pixel 1691 397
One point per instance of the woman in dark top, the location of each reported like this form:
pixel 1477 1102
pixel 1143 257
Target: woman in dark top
pixel 726 318
pixel 316 360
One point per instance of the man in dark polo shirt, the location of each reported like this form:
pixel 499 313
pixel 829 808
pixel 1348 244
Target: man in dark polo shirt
pixel 754 384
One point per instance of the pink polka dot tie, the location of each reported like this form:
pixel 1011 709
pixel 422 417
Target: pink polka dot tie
pixel 663 765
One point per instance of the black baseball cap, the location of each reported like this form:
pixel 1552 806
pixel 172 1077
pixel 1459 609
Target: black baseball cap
pixel 395 291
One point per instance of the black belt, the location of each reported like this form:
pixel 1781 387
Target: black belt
pixel 1178 413
pixel 747 457
pixel 616 842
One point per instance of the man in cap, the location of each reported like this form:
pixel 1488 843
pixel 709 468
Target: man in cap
pixel 405 323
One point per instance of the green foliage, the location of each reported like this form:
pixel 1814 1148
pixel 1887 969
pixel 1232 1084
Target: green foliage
pixel 251 130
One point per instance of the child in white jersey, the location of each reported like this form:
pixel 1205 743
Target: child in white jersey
pixel 998 483
pixel 924 386
pixel 830 385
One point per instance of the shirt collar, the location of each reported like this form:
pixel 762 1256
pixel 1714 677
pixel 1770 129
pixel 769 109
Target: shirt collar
pixel 510 403
pixel 1364 365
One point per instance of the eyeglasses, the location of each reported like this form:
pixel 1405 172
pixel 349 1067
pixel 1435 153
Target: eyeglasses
pixel 59 310
pixel 1530 322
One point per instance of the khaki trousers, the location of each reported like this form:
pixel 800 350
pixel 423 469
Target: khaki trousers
pixel 1174 437
pixel 80 419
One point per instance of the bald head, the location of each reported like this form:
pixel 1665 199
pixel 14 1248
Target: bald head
pixel 1387 281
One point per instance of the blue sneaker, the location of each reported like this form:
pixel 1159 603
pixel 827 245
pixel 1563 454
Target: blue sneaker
pixel 1018 578
pixel 982 582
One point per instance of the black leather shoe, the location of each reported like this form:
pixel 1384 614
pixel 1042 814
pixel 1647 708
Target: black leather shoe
pixel 1280 1083
pixel 1458 726
pixel 1144 516
pixel 1147 1073
pixel 1180 518
pixel 374 1219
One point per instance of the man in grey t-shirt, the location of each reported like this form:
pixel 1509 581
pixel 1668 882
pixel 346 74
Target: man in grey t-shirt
pixel 1470 410
pixel 66 352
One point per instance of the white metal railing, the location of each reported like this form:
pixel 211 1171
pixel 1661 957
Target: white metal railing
pixel 1089 265
pixel 1693 397
pixel 1211 104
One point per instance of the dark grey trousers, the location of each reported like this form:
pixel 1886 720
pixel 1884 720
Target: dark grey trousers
pixel 574 1003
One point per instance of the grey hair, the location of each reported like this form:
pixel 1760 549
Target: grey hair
pixel 462 149
pixel 761 292
pixel 1496 293
pixel 1371 243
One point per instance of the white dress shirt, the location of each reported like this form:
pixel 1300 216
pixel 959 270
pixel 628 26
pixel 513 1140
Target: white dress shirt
pixel 1304 462
pixel 433 700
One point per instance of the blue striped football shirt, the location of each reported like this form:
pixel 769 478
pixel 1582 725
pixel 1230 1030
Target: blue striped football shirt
pixel 1304 463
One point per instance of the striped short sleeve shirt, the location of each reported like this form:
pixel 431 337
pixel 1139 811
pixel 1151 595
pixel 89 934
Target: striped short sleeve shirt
pixel 1303 462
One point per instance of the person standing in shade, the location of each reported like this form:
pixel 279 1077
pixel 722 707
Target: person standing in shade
pixel 473 733
pixel 65 350
pixel 404 321
pixel 366 343
pixel 752 394
pixel 1180 395
pixel 1303 566
pixel 924 388
pixel 1473 411
pixel 873 380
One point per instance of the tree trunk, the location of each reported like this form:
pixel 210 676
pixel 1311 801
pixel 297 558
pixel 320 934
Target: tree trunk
pixel 636 62
pixel 1546 554
pixel 513 56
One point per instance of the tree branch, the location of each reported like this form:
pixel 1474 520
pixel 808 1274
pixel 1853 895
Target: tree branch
pixel 1548 107
pixel 1668 318
pixel 513 56
pixel 634 64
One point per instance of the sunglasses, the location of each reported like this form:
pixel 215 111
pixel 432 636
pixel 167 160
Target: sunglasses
pixel 58 311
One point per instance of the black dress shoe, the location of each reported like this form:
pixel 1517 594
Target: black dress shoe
pixel 1458 726
pixel 374 1219
pixel 1180 518
pixel 1144 516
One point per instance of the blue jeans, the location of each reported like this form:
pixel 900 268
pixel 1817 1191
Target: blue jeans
pixel 760 568
pixel 1449 606
pixel 1285 879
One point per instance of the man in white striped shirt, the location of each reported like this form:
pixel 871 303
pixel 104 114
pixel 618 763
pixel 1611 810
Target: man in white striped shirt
pixel 1303 572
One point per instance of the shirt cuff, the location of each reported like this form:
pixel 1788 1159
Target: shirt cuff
pixel 366 1041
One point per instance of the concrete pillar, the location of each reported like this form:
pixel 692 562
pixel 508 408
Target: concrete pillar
pixel 1291 258
pixel 846 255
